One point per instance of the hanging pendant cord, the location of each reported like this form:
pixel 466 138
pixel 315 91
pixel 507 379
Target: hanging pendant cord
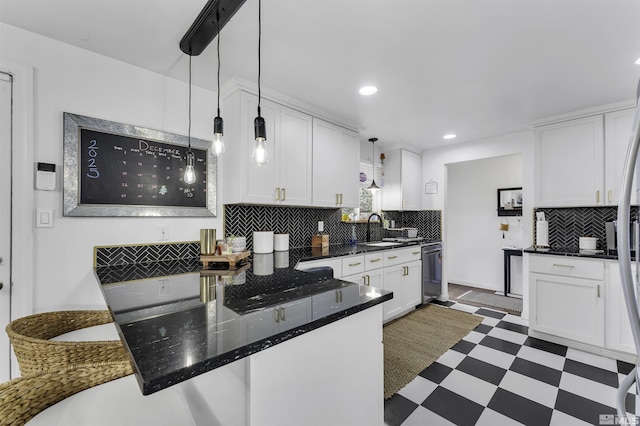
pixel 218 19
pixel 189 131
pixel 259 45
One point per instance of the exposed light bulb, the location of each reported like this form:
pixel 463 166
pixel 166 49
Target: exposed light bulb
pixel 259 154
pixel 218 142
pixel 190 171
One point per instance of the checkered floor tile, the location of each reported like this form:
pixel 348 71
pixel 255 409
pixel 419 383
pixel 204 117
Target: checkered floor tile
pixel 498 375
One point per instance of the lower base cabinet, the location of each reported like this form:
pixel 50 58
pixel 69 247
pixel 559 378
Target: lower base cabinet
pixel 405 282
pixel 618 330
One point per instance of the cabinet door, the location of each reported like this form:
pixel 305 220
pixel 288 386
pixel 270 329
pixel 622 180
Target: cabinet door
pixel 294 158
pixel 293 314
pixel 411 181
pixel 412 285
pixel 617 126
pixel 259 182
pixel 326 164
pixel 619 335
pixel 569 163
pixel 375 278
pixel 567 307
pixel 393 277
pixel 349 182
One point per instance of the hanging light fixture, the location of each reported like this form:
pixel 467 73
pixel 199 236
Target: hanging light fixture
pixel 218 143
pixel 259 154
pixel 190 172
pixel 373 187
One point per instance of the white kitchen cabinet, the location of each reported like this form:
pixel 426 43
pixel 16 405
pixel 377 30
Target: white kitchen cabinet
pixel 567 298
pixel 618 330
pixel 405 282
pixel 286 178
pixel 580 162
pixel 336 165
pixel 569 163
pixel 402 181
pixel 333 263
pixel 617 132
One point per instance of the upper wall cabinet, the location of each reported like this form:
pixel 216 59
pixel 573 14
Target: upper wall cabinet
pixel 336 163
pixel 286 178
pixel 579 162
pixel 402 182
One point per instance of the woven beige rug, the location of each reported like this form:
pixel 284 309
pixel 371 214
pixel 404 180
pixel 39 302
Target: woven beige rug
pixel 415 341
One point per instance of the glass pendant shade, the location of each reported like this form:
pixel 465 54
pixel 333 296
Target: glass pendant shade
pixel 190 171
pixel 218 142
pixel 259 154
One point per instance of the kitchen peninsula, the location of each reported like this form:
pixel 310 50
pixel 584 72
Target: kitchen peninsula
pixel 243 348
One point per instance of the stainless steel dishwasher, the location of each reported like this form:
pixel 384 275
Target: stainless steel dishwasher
pixel 431 271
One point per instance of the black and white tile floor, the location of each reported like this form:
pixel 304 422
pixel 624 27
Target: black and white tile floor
pixel 498 375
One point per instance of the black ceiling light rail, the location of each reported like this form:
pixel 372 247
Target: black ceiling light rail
pixel 205 27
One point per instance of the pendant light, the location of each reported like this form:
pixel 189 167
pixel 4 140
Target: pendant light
pixel 259 154
pixel 218 143
pixel 190 172
pixel 373 187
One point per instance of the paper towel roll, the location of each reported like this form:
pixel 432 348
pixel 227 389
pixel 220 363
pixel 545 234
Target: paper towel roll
pixel 542 233
pixel 263 241
pixel 281 242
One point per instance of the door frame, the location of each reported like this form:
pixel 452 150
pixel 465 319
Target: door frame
pixel 22 205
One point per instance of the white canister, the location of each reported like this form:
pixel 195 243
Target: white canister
pixel 263 241
pixel 281 242
pixel 587 243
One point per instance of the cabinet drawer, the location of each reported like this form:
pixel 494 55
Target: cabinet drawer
pixel 335 264
pixel 373 261
pixel 352 265
pixel 398 256
pixel 567 266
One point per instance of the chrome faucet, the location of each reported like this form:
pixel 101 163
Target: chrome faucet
pixel 369 225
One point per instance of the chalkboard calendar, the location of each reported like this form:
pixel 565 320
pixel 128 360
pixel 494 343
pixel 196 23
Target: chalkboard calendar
pixel 123 170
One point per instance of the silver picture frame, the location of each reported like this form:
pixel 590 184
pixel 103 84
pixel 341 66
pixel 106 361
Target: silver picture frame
pixel 71 144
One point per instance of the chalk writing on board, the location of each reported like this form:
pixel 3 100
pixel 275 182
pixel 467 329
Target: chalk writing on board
pixel 117 169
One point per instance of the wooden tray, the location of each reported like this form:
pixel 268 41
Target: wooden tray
pixel 231 259
pixel 224 272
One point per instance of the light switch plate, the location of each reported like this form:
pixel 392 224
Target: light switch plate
pixel 44 218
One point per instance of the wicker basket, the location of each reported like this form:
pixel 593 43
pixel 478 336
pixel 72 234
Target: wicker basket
pixel 36 354
pixel 22 398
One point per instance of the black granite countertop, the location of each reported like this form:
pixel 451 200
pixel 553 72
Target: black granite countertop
pixel 574 252
pixel 178 321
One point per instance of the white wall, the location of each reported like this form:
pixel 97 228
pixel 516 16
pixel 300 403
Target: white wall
pixel 434 164
pixel 474 239
pixel 68 79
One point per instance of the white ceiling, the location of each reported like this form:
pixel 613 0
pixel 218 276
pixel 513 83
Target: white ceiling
pixel 477 68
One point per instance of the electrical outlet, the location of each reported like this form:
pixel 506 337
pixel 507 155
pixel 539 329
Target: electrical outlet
pixel 163 233
pixel 163 287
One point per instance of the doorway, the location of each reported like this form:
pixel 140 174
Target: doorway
pixel 6 84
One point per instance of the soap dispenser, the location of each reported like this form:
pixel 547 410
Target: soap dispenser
pixel 353 240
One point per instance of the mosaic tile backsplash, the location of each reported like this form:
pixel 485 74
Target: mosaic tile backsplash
pixel 144 253
pixel 566 225
pixel 302 223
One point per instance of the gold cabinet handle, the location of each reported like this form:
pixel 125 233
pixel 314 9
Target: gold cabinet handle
pixel 416 252
pixel 610 195
pixel 340 199
pixel 598 196
pixel 277 194
pixel 337 199
pixel 340 295
pixel 375 260
pixel 355 264
pixel 337 298
pixel 284 194
pixel 282 312
pixel 392 257
pixel 598 290
pixel 276 315
pixel 559 265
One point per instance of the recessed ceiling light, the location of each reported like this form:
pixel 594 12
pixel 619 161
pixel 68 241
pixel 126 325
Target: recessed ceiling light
pixel 449 136
pixel 368 90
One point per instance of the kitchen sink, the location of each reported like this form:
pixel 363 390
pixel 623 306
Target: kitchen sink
pixel 382 244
